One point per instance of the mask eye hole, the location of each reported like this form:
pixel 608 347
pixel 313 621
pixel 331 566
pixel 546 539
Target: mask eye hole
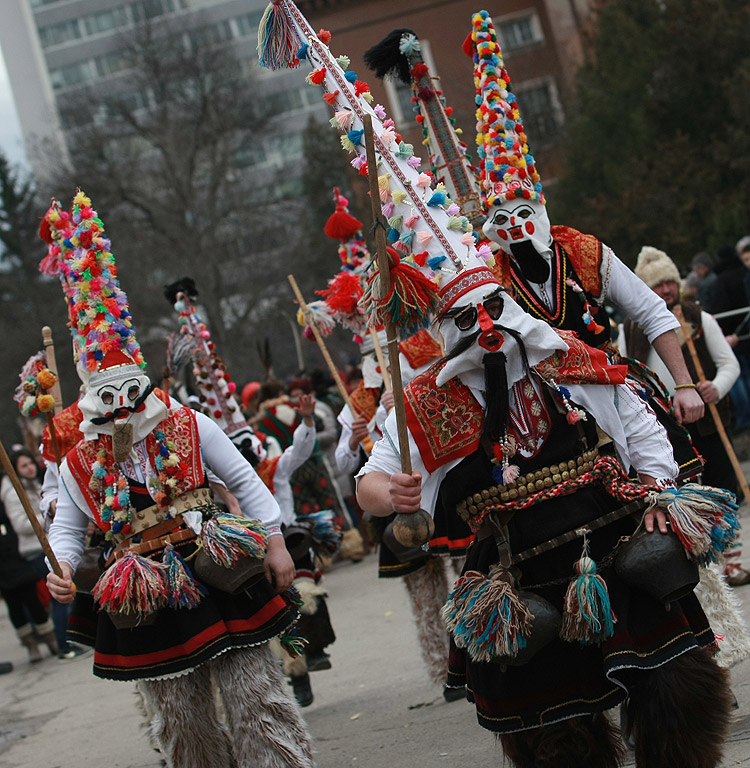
pixel 133 393
pixel 524 213
pixel 107 398
pixel 494 307
pixel 466 319
pixel 500 220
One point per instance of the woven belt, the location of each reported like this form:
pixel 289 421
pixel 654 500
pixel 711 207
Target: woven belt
pixel 157 529
pixel 535 481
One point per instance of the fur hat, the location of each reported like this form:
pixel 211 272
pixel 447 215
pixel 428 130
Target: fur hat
pixel 654 267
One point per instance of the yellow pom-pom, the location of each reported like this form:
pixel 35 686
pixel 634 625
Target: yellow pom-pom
pixel 81 200
pixel 45 403
pixel 46 378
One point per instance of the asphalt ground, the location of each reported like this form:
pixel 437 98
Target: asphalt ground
pixel 375 708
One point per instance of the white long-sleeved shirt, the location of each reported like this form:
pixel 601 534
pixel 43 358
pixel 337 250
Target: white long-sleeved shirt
pixel 641 438
pixel 219 454
pixel 727 366
pixel 621 286
pixel 303 444
pixel 348 460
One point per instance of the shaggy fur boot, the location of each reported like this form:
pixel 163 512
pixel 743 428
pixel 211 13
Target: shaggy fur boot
pixel 724 613
pixel 264 721
pixel 680 713
pixel 428 591
pixel 591 741
pixel 185 724
pixel 28 639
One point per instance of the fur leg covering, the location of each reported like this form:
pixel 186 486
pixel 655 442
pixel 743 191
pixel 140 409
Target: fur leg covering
pixel 146 709
pixel 723 611
pixel 680 713
pixel 185 724
pixel 266 726
pixel 352 545
pixel 428 591
pixel 289 666
pixel 591 741
pixel 309 591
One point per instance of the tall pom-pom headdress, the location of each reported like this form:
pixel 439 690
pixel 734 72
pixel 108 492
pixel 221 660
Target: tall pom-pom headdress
pixel 218 393
pixel 103 330
pixel 507 167
pixel 399 54
pixel 431 241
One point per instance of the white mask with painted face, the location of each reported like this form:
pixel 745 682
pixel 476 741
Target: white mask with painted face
pixel 480 306
pixel 517 220
pixel 120 388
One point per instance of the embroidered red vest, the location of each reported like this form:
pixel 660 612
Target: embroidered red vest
pixel 365 400
pixel 446 422
pixel 584 252
pixel 420 348
pixel 179 427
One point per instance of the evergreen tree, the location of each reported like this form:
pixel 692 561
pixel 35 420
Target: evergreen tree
pixel 658 148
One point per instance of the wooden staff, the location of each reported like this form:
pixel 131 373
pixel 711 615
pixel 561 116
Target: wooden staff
pixel 741 481
pixel 49 351
pixel 411 530
pixel 35 524
pixel 367 442
pixel 56 391
pixel 381 360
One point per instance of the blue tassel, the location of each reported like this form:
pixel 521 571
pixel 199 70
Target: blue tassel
pixel 350 76
pixel 438 198
pixel 355 136
pixel 588 617
pixel 435 261
pixel 486 616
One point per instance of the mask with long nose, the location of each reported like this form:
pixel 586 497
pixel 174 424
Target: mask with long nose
pixel 485 320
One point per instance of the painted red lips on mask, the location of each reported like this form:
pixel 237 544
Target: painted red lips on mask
pixel 489 339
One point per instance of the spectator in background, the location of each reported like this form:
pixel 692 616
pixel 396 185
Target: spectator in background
pixel 728 294
pixel 30 548
pixel 702 267
pixel 18 582
pixel 690 287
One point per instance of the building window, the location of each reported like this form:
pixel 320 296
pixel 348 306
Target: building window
pixel 401 109
pixel 106 21
pixel 541 111
pixel 520 31
pixel 247 25
pixel 57 34
pixel 150 9
pixel 73 74
pixel 111 64
pixel 212 34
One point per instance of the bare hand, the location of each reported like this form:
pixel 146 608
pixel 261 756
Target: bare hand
pixel 655 518
pixel 688 405
pixel 63 590
pixel 279 564
pixel 733 340
pixel 359 432
pixel 305 406
pixel 405 492
pixel 708 392
pixel 387 400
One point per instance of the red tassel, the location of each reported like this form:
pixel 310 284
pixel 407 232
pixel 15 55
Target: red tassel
pixel 330 98
pixel 318 76
pixel 341 225
pixel 324 36
pixel 419 70
pixel 343 293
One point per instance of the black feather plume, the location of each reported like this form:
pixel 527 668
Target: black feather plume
pixel 385 58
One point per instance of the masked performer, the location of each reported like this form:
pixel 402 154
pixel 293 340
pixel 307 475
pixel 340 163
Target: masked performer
pixel 183 600
pixel 506 431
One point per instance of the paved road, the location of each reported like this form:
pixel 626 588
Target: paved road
pixel 374 709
